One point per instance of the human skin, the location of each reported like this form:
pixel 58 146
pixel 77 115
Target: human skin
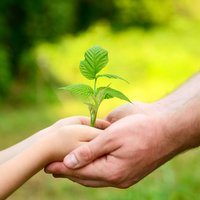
pixel 141 138
pixel 23 160
pixel 17 148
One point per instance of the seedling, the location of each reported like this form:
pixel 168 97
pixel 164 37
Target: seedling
pixel 95 60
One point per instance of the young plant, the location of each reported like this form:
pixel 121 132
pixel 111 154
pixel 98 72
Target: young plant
pixel 95 60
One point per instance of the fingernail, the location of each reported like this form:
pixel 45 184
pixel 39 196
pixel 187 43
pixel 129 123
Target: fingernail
pixel 71 161
pixel 46 170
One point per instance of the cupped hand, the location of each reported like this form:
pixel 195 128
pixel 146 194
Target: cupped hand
pixel 122 155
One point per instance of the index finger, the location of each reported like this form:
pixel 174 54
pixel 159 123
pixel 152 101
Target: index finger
pixel 100 123
pixel 95 171
pixel 82 120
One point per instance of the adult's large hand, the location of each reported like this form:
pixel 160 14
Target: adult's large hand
pixel 127 151
pixel 135 145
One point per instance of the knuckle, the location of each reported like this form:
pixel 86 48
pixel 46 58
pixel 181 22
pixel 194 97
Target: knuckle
pixel 112 118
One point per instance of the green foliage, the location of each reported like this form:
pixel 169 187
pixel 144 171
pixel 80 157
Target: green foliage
pixel 109 93
pixel 79 90
pixel 113 76
pixel 157 186
pixel 5 79
pixel 96 59
pixel 153 13
pixel 154 60
pixel 24 24
pixel 158 62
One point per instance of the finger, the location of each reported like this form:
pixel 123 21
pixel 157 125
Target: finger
pixel 88 172
pixel 87 183
pixel 100 123
pixel 84 133
pixel 85 154
pixel 55 168
pixel 96 171
pixel 67 121
pixel 125 110
pixel 120 112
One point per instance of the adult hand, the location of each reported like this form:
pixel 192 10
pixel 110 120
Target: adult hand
pixel 137 144
pixel 127 151
pixel 130 109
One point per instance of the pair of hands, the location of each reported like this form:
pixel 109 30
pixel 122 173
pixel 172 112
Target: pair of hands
pixel 129 149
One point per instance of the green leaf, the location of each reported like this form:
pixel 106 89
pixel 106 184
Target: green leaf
pixel 100 94
pixel 96 59
pixel 111 93
pixel 112 76
pixel 79 90
pixel 86 70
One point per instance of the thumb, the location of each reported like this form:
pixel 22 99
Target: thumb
pixel 127 109
pixel 90 151
pixel 120 112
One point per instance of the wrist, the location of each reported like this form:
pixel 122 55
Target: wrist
pixel 59 142
pixel 181 126
pixel 45 142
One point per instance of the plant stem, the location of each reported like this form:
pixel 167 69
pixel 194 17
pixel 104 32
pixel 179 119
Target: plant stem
pixel 95 85
pixel 93 116
pixel 94 110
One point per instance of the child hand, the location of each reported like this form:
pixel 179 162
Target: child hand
pixel 69 133
pixel 70 137
pixel 82 120
pixel 48 145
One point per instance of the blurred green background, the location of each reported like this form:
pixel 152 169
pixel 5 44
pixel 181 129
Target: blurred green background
pixel 154 44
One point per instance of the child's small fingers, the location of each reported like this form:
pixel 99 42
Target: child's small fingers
pixel 88 133
pixel 100 123
pixel 81 133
